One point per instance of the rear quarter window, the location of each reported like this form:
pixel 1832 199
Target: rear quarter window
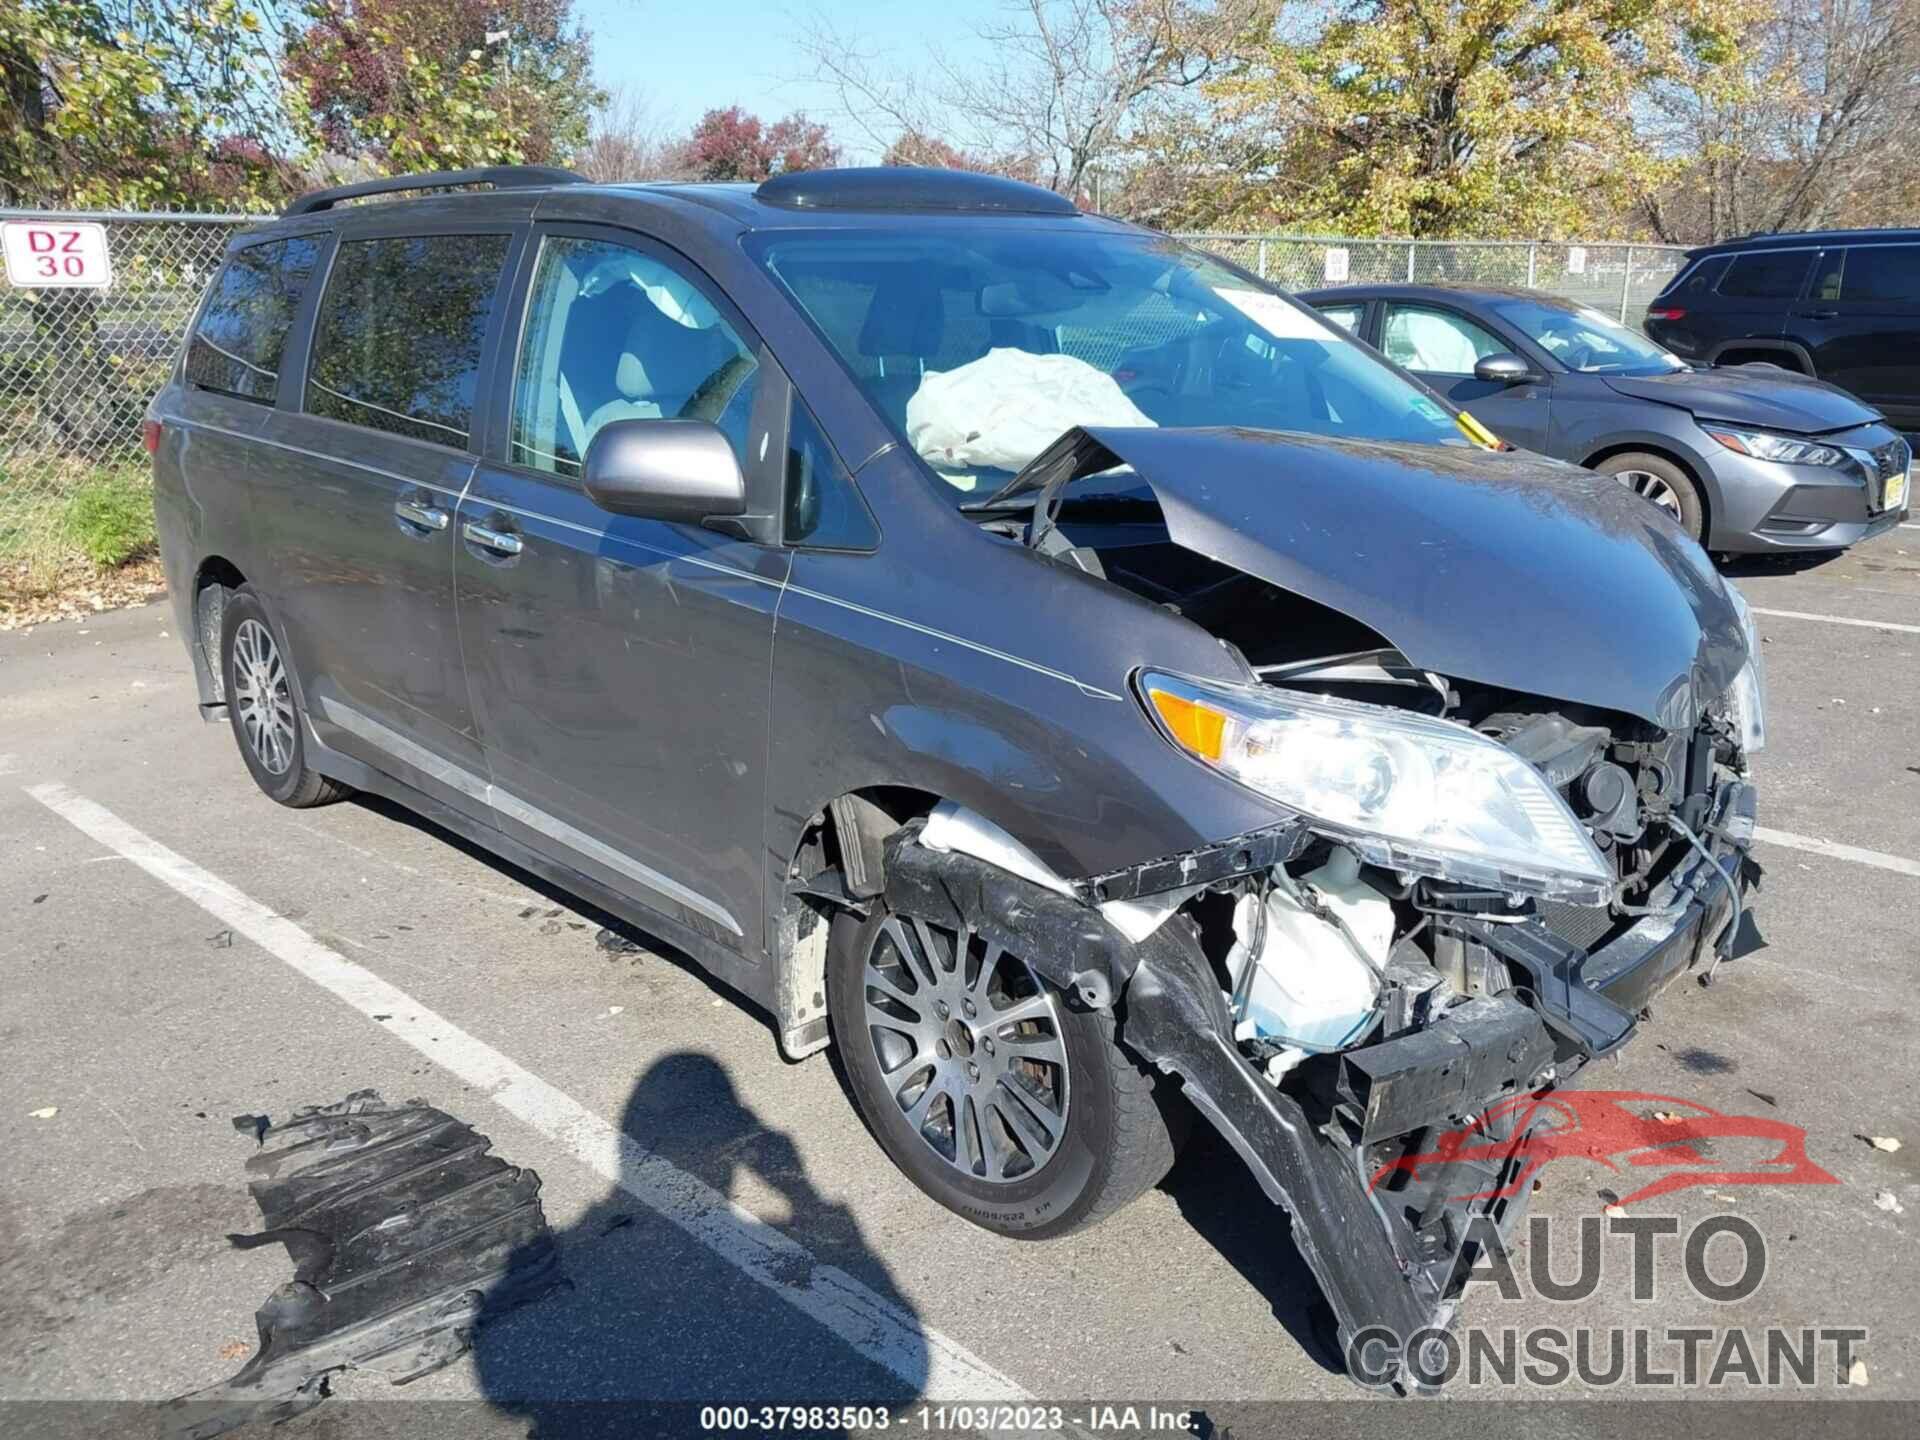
pixel 401 327
pixel 1767 275
pixel 1697 283
pixel 237 346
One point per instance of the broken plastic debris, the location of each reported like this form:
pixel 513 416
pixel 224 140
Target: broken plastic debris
pixel 1857 1373
pixel 1614 1211
pixel 1883 1142
pixel 615 1009
pixel 46 1114
pixel 405 1233
pixel 1890 1202
pixel 614 943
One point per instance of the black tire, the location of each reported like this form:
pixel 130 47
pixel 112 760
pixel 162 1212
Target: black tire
pixel 293 784
pixel 1693 506
pixel 1116 1142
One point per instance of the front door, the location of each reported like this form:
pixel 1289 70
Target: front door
pixel 1442 346
pixel 356 505
pixel 620 667
pixel 1860 321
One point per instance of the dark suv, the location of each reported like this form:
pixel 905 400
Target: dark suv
pixel 1841 305
pixel 1045 662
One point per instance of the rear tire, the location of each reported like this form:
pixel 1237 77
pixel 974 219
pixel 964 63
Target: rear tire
pixel 1109 1118
pixel 263 709
pixel 1657 479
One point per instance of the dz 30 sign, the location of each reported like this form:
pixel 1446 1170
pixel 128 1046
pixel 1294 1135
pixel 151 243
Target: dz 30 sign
pixel 46 253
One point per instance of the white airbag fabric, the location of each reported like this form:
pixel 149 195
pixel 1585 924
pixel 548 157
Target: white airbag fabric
pixel 1001 410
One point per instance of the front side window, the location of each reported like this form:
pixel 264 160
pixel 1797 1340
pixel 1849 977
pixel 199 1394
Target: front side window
pixel 1882 272
pixel 237 346
pixel 401 328
pixel 615 334
pixel 979 348
pixel 1436 341
pixel 1583 339
pixel 1766 275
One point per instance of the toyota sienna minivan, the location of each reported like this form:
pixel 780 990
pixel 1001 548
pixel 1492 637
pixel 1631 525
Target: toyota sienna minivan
pixel 1044 662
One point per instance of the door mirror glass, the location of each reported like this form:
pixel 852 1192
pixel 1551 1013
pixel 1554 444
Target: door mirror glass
pixel 1502 369
pixel 679 470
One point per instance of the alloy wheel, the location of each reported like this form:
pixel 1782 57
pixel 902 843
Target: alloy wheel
pixel 970 1046
pixel 1649 486
pixel 264 699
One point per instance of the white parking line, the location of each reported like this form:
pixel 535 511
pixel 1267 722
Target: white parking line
pixel 1880 860
pixel 1839 620
pixel 872 1325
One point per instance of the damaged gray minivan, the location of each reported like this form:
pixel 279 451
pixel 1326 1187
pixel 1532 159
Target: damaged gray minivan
pixel 1043 661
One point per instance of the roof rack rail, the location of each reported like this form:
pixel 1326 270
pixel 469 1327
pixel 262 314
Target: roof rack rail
pixel 501 177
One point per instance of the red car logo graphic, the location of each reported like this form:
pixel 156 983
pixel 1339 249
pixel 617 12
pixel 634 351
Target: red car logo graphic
pixel 1688 1140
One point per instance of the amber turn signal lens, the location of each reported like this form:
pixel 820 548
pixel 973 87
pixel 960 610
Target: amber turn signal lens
pixel 1199 728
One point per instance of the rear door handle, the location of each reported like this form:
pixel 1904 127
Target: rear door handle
pixel 500 542
pixel 427 517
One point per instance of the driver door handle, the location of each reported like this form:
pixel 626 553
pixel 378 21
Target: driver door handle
pixel 500 542
pixel 1819 314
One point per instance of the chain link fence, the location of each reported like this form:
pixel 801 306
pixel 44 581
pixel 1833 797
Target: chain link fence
pixel 1620 280
pixel 77 366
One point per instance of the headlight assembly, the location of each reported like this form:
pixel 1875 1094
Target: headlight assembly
pixel 1408 792
pixel 1762 446
pixel 1746 698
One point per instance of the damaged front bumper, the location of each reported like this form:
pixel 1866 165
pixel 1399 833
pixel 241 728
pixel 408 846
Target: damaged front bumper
pixel 1392 1259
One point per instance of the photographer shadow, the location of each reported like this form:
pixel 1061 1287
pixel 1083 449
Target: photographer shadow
pixel 654 1325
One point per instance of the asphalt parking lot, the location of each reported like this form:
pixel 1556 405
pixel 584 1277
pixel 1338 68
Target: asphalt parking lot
pixel 176 950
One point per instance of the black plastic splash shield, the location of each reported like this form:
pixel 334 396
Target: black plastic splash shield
pixel 404 1233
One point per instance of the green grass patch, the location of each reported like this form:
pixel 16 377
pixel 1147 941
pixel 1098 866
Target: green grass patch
pixel 109 518
pixel 62 519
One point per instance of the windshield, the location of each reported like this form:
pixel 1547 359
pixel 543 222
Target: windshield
pixel 982 348
pixel 1588 341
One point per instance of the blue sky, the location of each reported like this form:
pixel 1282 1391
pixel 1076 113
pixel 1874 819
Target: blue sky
pixel 689 56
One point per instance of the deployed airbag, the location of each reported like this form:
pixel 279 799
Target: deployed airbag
pixel 998 412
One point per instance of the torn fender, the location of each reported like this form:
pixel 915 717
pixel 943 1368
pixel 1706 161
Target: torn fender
pixel 1394 1260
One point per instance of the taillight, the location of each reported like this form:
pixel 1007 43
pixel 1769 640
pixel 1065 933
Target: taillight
pixel 150 435
pixel 1667 313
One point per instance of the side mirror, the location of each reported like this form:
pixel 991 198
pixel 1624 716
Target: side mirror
pixel 1503 369
pixel 680 470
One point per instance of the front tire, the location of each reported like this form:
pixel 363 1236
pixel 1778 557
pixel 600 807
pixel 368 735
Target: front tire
pixel 985 1086
pixel 1657 479
pixel 263 709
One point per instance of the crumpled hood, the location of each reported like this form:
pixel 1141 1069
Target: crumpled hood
pixel 1504 569
pixel 1769 398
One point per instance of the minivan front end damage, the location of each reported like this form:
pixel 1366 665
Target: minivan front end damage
pixel 1502 711
pixel 1334 1018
